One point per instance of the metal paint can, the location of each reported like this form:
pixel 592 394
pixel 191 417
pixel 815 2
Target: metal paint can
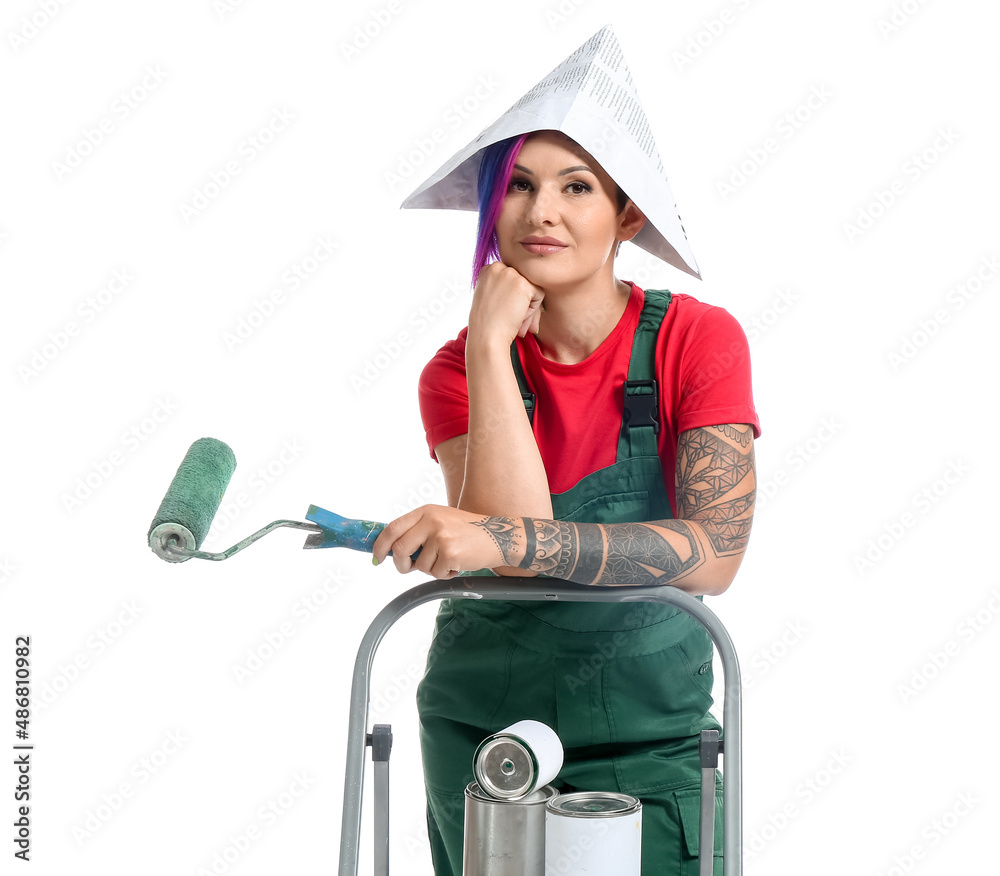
pixel 504 837
pixel 591 833
pixel 517 760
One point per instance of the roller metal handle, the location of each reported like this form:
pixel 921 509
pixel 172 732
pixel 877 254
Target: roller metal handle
pixel 185 515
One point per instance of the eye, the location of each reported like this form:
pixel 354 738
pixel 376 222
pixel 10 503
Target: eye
pixel 519 185
pixel 578 188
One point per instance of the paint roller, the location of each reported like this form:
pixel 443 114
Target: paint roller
pixel 195 494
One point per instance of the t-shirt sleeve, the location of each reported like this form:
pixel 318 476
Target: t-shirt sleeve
pixel 444 394
pixel 713 374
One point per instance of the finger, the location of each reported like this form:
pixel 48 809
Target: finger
pixel 391 532
pixel 536 321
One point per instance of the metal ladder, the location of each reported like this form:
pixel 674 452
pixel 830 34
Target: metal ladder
pixel 521 589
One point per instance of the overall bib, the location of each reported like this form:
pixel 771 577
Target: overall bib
pixel 626 686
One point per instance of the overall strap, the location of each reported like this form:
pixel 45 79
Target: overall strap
pixel 527 396
pixel 641 412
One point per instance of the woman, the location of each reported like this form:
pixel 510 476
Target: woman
pixel 577 494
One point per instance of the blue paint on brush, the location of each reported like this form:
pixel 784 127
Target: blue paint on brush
pixel 358 535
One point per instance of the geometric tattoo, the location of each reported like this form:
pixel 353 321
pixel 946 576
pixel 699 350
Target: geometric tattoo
pixel 716 486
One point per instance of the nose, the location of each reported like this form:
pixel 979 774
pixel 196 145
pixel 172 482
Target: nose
pixel 541 208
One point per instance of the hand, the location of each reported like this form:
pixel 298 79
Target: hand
pixel 450 541
pixel 504 304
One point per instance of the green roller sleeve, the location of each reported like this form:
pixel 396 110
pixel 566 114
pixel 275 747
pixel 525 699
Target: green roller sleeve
pixel 186 512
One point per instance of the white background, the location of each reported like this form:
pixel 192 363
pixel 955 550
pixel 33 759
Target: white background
pixel 866 136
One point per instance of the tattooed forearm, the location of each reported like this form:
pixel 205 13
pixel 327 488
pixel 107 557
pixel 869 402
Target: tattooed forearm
pixel 617 553
pixel 716 484
pixel 503 531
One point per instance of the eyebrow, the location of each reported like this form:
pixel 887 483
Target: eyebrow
pixel 573 169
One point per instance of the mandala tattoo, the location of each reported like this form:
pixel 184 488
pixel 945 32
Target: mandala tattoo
pixel 731 432
pixel 716 485
pixel 503 531
pixel 617 553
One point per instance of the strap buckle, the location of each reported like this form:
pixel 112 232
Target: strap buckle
pixel 529 406
pixel 641 408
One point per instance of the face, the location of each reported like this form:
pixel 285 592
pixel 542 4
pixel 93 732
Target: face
pixel 560 223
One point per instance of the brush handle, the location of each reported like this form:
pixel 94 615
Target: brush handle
pixel 358 535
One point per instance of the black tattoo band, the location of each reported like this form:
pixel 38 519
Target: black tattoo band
pixel 591 557
pixel 529 543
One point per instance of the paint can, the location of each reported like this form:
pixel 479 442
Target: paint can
pixel 517 760
pixel 504 837
pixel 592 832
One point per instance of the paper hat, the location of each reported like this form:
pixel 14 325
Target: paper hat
pixel 590 98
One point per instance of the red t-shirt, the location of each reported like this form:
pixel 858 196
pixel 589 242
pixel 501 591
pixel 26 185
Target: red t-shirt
pixel 703 374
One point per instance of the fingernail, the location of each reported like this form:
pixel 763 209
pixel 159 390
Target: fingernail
pixel 374 560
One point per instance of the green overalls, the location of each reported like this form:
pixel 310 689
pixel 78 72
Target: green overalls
pixel 626 686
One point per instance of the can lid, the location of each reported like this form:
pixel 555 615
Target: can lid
pixel 593 804
pixel 538 796
pixel 505 768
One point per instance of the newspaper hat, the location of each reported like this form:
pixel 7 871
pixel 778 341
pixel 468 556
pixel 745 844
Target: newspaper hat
pixel 590 98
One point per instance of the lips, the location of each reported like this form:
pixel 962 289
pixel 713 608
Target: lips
pixel 543 245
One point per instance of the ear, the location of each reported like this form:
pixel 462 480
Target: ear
pixel 630 222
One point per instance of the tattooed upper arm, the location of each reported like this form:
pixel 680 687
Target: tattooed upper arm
pixel 716 483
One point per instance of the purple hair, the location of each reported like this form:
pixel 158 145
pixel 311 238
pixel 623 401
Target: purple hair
pixel 495 172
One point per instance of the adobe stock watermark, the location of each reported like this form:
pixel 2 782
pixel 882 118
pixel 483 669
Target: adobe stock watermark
pixel 767 658
pixel 708 34
pixel 922 502
pixel 604 650
pixel 764 320
pixel 912 170
pixel 32 25
pixel 235 502
pixel 941 658
pixel 785 128
pixel 95 135
pixel 103 469
pixel 95 645
pixel 249 149
pixel 430 489
pixel 59 339
pixel 267 816
pixel 454 117
pixel 224 8
pixel 292 280
pixel 805 793
pixel 899 15
pixel 917 339
pixel 389 351
pixel 303 610
pixel 932 834
pixel 364 34
pixel 403 682
pixel 562 12
pixel 796 459
pixel 7 570
pixel 140 773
